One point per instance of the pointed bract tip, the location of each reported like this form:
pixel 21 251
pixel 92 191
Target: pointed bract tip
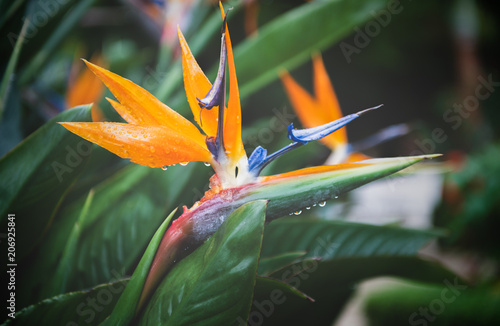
pixel 368 110
pixel 224 22
pixel 430 156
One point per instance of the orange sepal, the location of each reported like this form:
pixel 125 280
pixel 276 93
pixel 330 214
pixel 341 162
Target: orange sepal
pixel 313 170
pixel 154 146
pixel 144 107
pixel 232 123
pixel 124 111
pixel 197 85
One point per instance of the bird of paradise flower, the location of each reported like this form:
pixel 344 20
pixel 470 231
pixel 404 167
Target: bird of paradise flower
pixel 157 136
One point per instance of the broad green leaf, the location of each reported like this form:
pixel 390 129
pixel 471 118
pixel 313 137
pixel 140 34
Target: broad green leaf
pixel 113 233
pixel 339 239
pixel 213 285
pixel 125 212
pixel 89 307
pixel 37 174
pixel 124 311
pixel 289 40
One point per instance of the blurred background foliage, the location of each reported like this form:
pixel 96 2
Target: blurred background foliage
pixel 425 66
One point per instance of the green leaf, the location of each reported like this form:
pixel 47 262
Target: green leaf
pixel 449 302
pixel 339 239
pixel 8 9
pixel 267 265
pixel 10 131
pixel 58 283
pixel 11 66
pixel 289 40
pixel 124 311
pixel 109 198
pixel 332 283
pixel 63 28
pixel 213 285
pixel 125 212
pixel 37 174
pixel 75 308
pixel 274 289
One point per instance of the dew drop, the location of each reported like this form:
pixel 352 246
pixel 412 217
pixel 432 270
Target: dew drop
pixel 164 168
pixel 152 149
pixel 322 204
pixel 308 208
pixel 290 214
pixel 315 205
pixel 336 197
pixel 206 163
pixel 298 212
pixel 184 163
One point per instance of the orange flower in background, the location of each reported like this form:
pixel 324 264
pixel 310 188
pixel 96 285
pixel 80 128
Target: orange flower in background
pixel 318 110
pixel 324 107
pixel 86 88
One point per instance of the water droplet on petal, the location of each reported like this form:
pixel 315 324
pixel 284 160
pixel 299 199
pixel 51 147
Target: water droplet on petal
pixel 183 163
pixel 322 204
pixel 164 168
pixel 298 212
pixel 315 205
pixel 308 208
pixel 206 163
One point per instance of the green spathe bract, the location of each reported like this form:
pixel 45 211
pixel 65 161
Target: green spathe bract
pixel 227 263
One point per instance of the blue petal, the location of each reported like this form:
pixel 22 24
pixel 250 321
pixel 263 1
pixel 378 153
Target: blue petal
pixel 256 158
pixel 306 135
pixel 259 159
